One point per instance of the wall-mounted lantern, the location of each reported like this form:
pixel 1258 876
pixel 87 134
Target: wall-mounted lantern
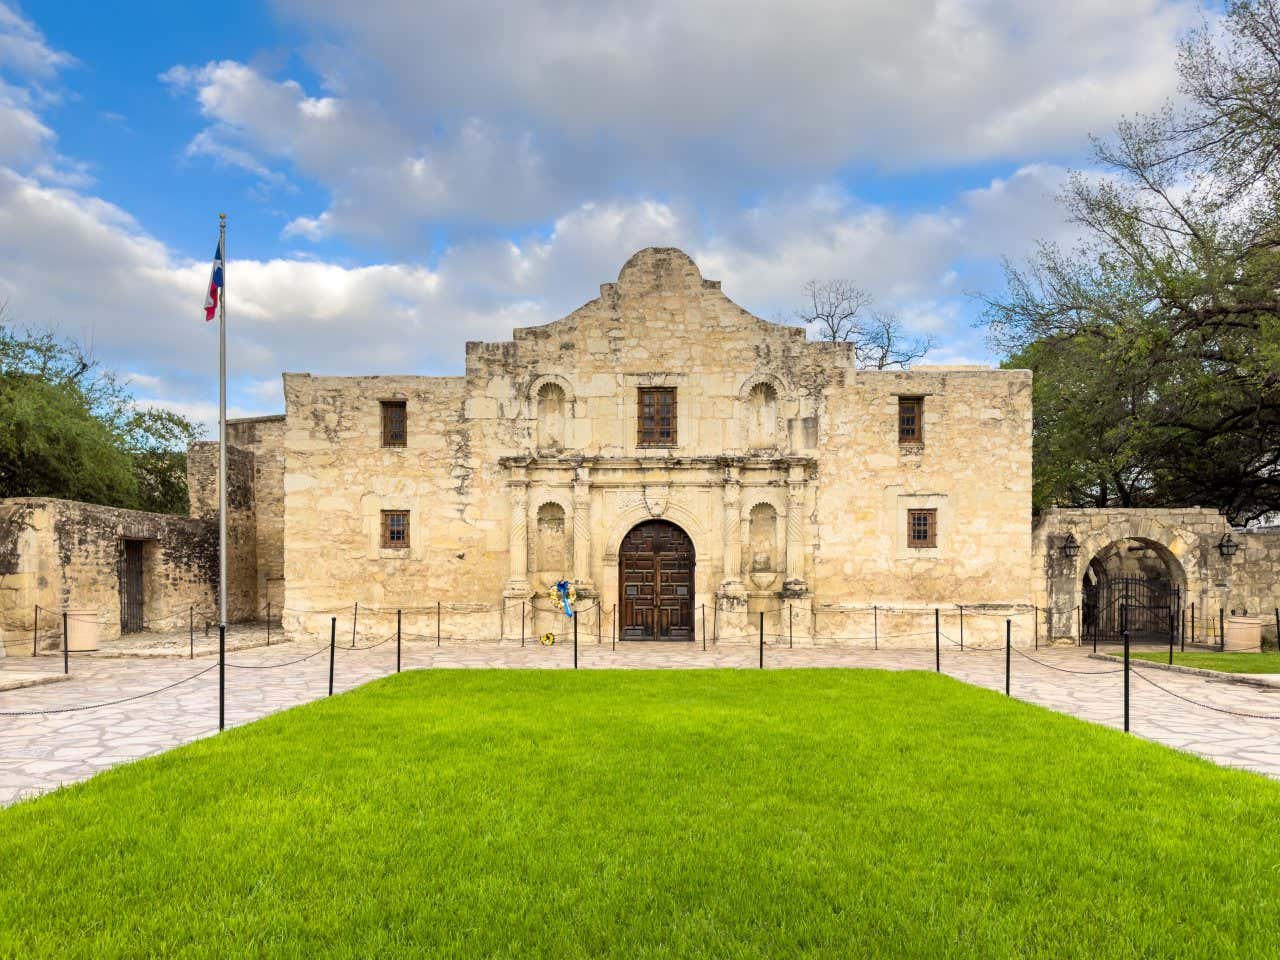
pixel 1070 547
pixel 1227 547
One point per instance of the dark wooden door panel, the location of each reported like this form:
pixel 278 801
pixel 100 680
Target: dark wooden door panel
pixel 655 583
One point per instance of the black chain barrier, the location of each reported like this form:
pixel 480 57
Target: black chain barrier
pixel 1081 673
pixel 1141 675
pixel 108 703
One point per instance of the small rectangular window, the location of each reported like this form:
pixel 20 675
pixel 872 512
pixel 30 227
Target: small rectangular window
pixel 394 423
pixel 922 528
pixel 656 424
pixel 911 419
pixel 395 528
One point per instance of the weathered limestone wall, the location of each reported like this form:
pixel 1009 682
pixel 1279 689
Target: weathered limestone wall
pixel 61 555
pixel 974 468
pixel 338 479
pixel 1187 539
pixel 264 438
pixel 787 474
pixel 242 524
pixel 1255 585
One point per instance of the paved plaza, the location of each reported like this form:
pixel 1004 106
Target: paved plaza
pixel 39 752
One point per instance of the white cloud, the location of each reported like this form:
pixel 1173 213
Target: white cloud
pixel 84 265
pixel 24 50
pixel 427 113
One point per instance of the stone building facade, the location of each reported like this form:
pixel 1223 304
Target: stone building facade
pixel 693 470
pixel 781 480
pixel 129 570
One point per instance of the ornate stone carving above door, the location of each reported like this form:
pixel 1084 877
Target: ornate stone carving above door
pixel 656 498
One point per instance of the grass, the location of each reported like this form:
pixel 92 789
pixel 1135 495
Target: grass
pixel 814 813
pixel 1224 662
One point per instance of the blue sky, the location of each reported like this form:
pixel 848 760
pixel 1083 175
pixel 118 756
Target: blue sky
pixel 404 176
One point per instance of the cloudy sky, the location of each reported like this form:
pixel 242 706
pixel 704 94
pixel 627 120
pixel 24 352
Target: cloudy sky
pixel 402 176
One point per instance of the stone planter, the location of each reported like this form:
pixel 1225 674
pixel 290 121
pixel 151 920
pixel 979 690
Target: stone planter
pixel 1243 634
pixel 82 630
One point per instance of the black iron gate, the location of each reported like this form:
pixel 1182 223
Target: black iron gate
pixel 131 620
pixel 1147 609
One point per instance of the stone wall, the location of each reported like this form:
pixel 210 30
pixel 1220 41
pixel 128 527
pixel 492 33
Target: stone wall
pixel 242 523
pixel 1185 538
pixel 1255 586
pixel 264 438
pixel 787 472
pixel 60 554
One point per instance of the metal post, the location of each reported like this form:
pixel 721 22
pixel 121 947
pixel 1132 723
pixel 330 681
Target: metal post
pixel 715 622
pixel 268 623
pixel 222 676
pixel 35 632
pixel 937 641
pixel 437 623
pixel 221 268
pixel 66 652
pixel 613 631
pixel 599 626
pixel 962 628
pixel 1008 652
pixel 522 623
pixel 333 643
pixel 575 639
pixel 355 616
pixel 1222 636
pixel 191 631
pixel 397 641
pixel 1035 620
pixel 1126 681
pixel 1193 621
pixel 761 639
pixel 791 637
pixel 875 626
pixel 1182 631
pixel 704 627
pixel 1171 633
pixel 1278 628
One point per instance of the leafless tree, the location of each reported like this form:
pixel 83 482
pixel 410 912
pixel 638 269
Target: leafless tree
pixel 883 343
pixel 840 311
pixel 834 309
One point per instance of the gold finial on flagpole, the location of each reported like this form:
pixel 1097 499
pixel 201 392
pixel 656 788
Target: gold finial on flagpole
pixel 222 216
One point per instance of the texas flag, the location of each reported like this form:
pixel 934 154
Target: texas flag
pixel 215 285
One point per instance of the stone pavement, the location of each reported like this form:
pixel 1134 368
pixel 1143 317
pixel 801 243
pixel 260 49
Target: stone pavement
pixel 40 752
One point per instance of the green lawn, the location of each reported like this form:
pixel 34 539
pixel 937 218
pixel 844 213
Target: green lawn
pixel 815 813
pixel 1225 662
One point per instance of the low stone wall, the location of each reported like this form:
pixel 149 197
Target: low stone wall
pixel 60 554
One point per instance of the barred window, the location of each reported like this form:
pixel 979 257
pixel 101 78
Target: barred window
pixel 394 423
pixel 395 528
pixel 922 528
pixel 911 419
pixel 657 420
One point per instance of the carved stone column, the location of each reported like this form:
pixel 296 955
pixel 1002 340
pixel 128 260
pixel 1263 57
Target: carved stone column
pixel 518 537
pixel 797 485
pixel 582 531
pixel 732 585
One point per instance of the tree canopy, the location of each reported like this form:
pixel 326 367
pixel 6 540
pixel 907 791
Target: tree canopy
pixel 1156 340
pixel 70 429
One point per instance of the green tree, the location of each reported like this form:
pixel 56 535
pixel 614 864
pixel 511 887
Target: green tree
pixel 71 429
pixel 1156 341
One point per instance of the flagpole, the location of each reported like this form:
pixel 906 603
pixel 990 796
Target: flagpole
pixel 222 426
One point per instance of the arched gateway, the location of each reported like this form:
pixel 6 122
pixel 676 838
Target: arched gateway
pixel 655 583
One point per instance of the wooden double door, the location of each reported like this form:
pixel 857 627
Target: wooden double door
pixel 655 583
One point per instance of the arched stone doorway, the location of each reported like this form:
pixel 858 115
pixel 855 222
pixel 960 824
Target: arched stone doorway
pixel 1133 584
pixel 655 583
